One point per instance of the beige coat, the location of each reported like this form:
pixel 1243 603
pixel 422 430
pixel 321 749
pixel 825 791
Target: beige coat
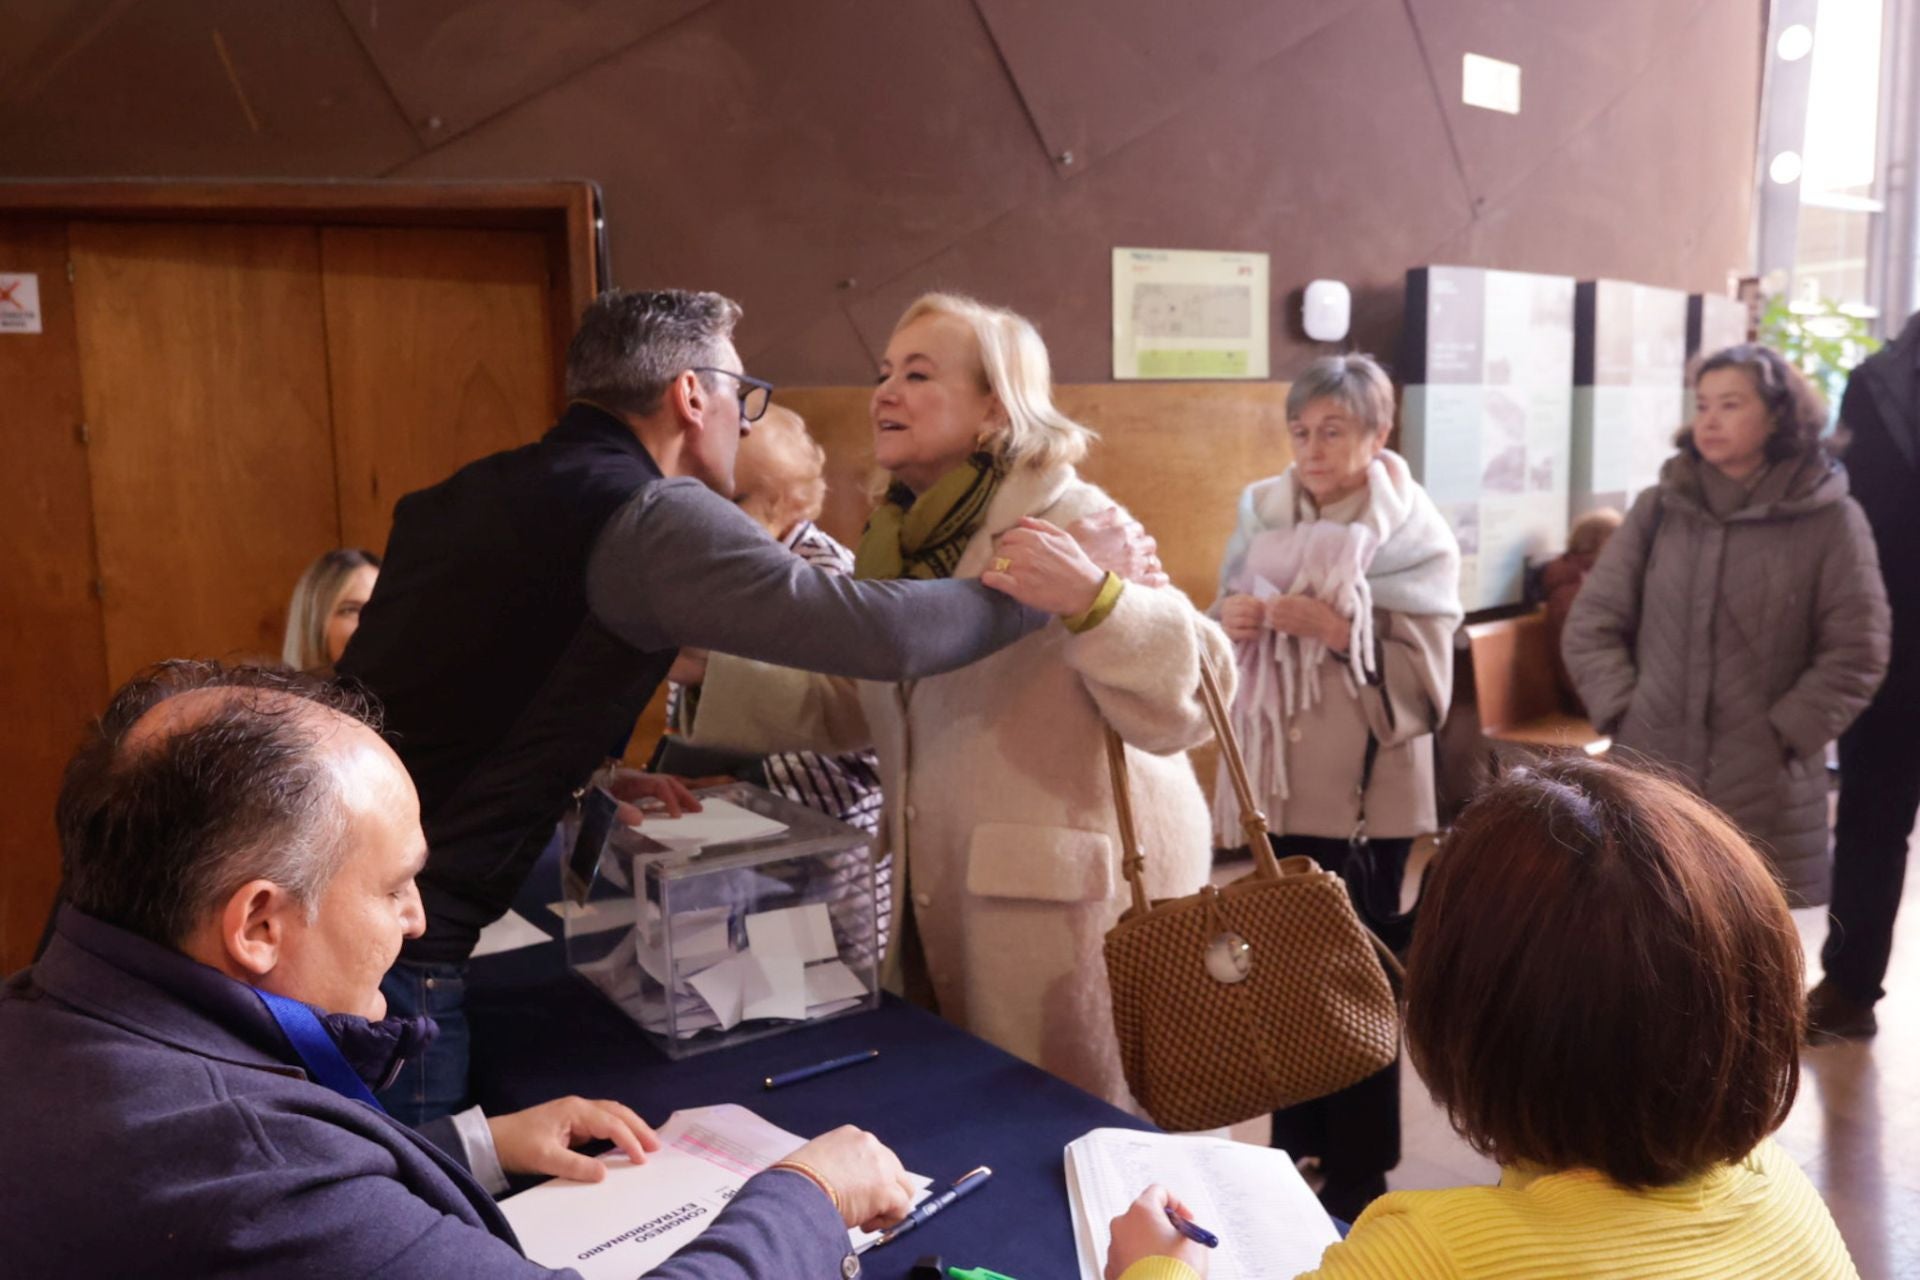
pixel 1733 647
pixel 998 795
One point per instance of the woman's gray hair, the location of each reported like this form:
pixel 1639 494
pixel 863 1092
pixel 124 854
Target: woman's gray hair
pixel 631 345
pixel 1355 382
pixel 314 596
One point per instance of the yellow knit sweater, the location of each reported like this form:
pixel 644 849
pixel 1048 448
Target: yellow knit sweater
pixel 1759 1219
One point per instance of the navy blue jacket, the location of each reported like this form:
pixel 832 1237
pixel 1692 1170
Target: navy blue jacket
pixel 153 1122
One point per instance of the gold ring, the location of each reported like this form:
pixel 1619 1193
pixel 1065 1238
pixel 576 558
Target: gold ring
pixel 1001 564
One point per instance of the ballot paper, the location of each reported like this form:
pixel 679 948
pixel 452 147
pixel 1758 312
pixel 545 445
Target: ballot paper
pixel 596 916
pixel 718 822
pixel 638 1215
pixel 1253 1198
pixel 803 932
pixel 510 932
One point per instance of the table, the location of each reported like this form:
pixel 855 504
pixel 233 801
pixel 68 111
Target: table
pixel 944 1100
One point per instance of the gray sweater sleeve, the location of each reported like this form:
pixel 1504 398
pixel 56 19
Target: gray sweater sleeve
pixel 681 567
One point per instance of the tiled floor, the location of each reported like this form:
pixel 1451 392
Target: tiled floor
pixel 1855 1128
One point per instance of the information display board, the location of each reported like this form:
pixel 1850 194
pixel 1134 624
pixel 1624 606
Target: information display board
pixel 1488 364
pixel 1629 367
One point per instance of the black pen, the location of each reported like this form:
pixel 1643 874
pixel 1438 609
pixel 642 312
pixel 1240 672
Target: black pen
pixel 798 1074
pixel 927 1208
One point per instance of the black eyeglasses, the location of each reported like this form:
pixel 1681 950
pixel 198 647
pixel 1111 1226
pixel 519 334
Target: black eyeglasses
pixel 755 393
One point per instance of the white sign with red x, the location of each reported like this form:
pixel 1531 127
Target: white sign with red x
pixel 19 302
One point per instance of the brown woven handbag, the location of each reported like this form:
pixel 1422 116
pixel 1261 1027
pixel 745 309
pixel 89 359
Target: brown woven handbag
pixel 1235 1001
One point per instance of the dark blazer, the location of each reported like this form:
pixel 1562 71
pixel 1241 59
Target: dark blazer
pixel 153 1122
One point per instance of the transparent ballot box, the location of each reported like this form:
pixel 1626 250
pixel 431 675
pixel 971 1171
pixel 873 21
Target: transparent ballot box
pixel 754 916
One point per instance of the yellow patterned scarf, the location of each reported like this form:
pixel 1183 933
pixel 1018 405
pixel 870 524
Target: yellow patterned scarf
pixel 924 536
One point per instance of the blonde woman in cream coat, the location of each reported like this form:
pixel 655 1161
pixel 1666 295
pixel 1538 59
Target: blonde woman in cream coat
pixel 999 809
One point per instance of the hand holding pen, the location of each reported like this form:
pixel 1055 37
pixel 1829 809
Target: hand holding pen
pixel 1157 1225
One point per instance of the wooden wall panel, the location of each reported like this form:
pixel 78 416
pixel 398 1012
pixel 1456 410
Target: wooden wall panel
pixel 205 388
pixel 439 352
pixel 54 673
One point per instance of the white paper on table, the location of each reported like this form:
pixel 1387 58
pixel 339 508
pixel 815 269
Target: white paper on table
pixel 832 983
pixel 510 932
pixel 596 917
pixel 718 822
pixel 805 932
pixel 1268 1221
pixel 638 1215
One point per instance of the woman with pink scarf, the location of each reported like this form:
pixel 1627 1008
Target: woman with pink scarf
pixel 1341 592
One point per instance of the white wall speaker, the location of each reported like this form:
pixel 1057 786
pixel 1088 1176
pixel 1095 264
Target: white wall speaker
pixel 1327 311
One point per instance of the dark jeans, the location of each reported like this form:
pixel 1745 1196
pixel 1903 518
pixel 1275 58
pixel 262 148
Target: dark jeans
pixel 1354 1133
pixel 435 1083
pixel 1879 799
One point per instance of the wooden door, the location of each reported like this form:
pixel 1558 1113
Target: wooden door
pixel 204 377
pixel 439 346
pixel 54 673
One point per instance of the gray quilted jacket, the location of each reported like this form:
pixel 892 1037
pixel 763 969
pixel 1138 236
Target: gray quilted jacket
pixel 1735 646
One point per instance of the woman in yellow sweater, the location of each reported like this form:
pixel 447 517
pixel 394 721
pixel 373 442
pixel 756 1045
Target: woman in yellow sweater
pixel 1604 993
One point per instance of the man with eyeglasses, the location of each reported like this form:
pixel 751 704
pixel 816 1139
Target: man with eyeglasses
pixel 530 605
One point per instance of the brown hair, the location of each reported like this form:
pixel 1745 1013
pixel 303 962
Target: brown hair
pixel 1604 976
pixel 780 472
pixel 1798 413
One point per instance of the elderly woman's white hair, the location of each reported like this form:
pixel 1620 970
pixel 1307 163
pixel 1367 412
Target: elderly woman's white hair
pixel 1014 364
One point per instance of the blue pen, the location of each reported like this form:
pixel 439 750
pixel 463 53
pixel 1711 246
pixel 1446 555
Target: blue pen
pixel 1192 1231
pixel 798 1074
pixel 927 1208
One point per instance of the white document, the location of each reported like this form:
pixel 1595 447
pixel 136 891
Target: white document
pixel 782 988
pixel 639 1215
pixel 718 822
pixel 1268 1221
pixel 726 987
pixel 831 982
pixel 596 917
pixel 803 932
pixel 510 932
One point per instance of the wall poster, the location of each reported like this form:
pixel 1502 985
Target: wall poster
pixel 1186 313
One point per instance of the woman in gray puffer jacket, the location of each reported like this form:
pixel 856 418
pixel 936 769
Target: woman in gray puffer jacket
pixel 1737 622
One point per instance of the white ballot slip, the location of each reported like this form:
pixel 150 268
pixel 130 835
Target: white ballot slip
pixel 510 932
pixel 635 1218
pixel 805 932
pixel 596 917
pixel 718 822
pixel 1268 1221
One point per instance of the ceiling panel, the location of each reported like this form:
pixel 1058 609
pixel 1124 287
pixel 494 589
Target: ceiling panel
pixel 1096 74
pixel 452 63
pixel 1574 59
pixel 776 152
pixel 1356 187
pixel 191 88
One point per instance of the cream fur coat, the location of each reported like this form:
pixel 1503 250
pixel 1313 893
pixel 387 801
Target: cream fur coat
pixel 998 804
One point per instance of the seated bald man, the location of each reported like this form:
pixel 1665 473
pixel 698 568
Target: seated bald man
pixel 185 1074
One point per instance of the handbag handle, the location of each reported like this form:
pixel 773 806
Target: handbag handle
pixel 1252 820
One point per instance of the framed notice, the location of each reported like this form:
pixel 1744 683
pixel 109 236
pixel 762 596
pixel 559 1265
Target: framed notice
pixel 1487 418
pixel 1189 313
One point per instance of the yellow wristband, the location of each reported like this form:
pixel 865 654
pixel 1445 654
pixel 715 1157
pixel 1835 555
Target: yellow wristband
pixel 1096 613
pixel 811 1175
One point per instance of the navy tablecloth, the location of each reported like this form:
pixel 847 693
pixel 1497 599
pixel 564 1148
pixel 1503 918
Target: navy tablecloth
pixel 944 1100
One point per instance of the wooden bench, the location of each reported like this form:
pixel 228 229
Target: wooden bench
pixel 1519 699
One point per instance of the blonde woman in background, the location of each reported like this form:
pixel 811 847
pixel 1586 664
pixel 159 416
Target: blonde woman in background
pixel 999 810
pixel 325 611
